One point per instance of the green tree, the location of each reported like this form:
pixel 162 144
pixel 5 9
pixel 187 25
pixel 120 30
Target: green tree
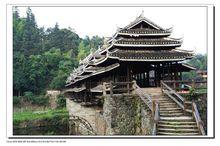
pixel 66 65
pixel 37 74
pixel 43 58
pixel 20 77
pixel 18 29
pixel 96 42
pixel 31 41
pixel 65 39
pixel 200 63
pixel 83 51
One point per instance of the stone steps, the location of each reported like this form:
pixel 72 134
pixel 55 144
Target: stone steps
pixel 194 126
pixel 177 123
pixel 164 102
pixel 177 134
pixel 182 118
pixel 169 108
pixel 167 103
pixel 170 111
pixel 178 130
pixel 173 120
pixel 171 114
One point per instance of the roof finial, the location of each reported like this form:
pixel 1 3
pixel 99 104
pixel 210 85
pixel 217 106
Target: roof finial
pixel 142 14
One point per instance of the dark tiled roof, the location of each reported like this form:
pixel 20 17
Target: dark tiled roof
pixel 149 55
pixel 147 42
pixel 144 31
pixel 98 70
pixel 141 18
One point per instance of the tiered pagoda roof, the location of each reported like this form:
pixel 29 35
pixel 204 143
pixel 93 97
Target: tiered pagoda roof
pixel 133 42
pixel 149 55
pixel 141 40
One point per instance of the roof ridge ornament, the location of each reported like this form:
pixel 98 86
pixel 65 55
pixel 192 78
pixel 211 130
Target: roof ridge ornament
pixel 118 28
pixel 142 14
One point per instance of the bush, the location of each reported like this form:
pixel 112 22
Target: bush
pixel 40 100
pixel 61 101
pixel 192 95
pixel 16 100
pixel 28 96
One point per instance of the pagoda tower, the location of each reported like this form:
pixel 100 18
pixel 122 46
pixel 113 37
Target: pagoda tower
pixel 141 51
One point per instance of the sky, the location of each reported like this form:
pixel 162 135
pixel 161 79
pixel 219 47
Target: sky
pixel 189 23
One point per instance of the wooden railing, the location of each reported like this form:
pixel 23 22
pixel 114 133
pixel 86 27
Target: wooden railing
pixel 122 78
pixel 186 85
pixel 117 87
pixel 196 115
pixel 152 105
pixel 182 103
pixel 144 96
pixel 173 95
pixel 156 117
pixel 120 87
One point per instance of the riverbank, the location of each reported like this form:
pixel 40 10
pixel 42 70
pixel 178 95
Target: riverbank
pixel 45 122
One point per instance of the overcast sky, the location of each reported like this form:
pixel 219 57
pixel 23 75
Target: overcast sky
pixel 188 23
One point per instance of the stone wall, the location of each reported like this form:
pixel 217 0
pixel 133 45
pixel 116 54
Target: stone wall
pixel 126 115
pixel 52 94
pixel 121 115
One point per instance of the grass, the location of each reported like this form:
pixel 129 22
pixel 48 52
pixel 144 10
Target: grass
pixel 34 115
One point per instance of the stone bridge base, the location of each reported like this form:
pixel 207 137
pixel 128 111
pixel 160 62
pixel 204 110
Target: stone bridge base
pixel 120 115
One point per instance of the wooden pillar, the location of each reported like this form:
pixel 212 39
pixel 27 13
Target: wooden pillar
pixel 163 71
pixel 155 75
pixel 180 75
pixel 168 71
pixel 128 73
pixel 144 79
pixel 176 72
pixel 84 96
pixel 111 88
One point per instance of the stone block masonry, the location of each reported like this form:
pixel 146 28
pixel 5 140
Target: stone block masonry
pixel 126 115
pixel 121 114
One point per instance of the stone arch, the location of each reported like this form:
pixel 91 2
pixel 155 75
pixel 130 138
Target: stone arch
pixel 80 125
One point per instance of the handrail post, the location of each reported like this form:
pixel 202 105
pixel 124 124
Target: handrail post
pixel 133 86
pixel 184 107
pixel 153 108
pixel 193 84
pixel 193 110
